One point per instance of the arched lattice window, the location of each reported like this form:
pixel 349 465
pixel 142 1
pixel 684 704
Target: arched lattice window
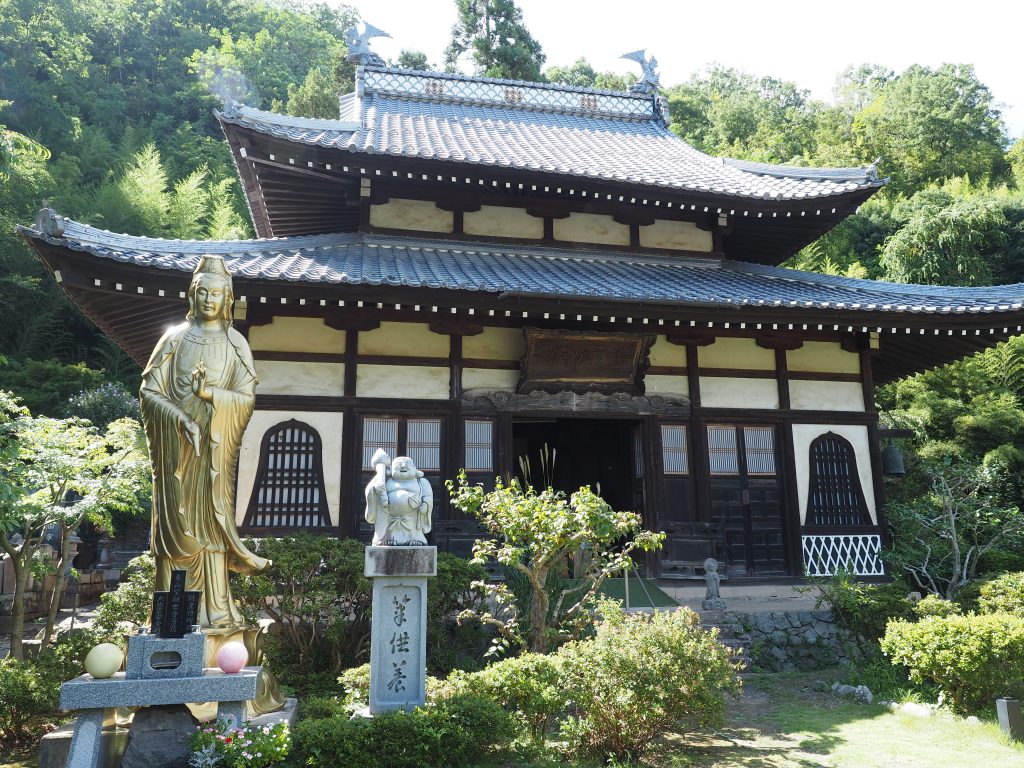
pixel 289 489
pixel 834 493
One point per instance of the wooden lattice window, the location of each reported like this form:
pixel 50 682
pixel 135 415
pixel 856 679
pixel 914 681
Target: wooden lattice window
pixel 834 493
pixel 289 489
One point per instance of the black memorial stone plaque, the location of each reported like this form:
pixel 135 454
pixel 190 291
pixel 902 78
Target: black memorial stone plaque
pixel 175 611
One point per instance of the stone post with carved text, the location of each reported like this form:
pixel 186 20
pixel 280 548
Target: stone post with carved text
pixel 398 633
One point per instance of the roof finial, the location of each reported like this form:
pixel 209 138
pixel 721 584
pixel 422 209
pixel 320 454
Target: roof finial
pixel 359 45
pixel 49 222
pixel 649 81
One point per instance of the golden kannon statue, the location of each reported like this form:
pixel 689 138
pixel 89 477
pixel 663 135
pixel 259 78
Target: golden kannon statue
pixel 197 396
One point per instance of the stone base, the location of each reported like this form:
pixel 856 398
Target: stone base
pixel 715 604
pixel 268 693
pixel 158 738
pixel 287 714
pixel 54 746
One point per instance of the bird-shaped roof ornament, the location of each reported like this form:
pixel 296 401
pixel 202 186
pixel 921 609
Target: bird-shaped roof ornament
pixel 359 45
pixel 649 81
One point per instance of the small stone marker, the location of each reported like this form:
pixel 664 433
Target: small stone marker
pixel 398 629
pixel 1011 720
pixel 175 611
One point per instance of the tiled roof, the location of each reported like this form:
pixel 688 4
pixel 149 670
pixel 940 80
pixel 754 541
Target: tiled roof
pixel 552 129
pixel 374 260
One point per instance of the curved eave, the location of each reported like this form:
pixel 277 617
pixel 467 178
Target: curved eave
pixel 133 304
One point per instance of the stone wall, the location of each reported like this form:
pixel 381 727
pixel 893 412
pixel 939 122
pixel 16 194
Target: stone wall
pixel 788 641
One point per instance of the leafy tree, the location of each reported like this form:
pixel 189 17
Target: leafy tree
pixel 45 386
pixel 103 405
pixel 60 472
pixel 412 60
pixel 944 240
pixel 932 124
pixel 314 98
pixel 582 75
pixel 534 534
pixel 942 535
pixel 493 34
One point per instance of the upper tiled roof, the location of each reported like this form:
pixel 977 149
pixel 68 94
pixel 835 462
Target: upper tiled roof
pixel 552 129
pixel 374 260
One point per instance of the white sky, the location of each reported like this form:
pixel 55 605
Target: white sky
pixel 806 42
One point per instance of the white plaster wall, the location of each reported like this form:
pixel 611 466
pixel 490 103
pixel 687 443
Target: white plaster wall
pixel 591 228
pixel 489 379
pixel 728 392
pixel 415 381
pixel 735 352
pixel 857 434
pixel 329 425
pixel 825 356
pixel 419 215
pixel 407 339
pixel 498 221
pixel 664 353
pixel 297 334
pixel 677 235
pixel 280 377
pixel 666 385
pixel 495 344
pixel 826 395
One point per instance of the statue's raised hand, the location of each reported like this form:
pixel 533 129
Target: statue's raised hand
pixel 199 383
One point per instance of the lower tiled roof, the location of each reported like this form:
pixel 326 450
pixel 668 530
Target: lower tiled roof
pixel 375 260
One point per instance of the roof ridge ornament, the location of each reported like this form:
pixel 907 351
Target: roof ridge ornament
pixel 49 222
pixel 649 81
pixel 359 45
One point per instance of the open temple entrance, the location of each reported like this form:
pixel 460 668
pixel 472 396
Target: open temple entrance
pixel 594 452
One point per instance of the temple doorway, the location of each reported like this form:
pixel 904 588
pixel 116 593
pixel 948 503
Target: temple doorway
pixel 594 452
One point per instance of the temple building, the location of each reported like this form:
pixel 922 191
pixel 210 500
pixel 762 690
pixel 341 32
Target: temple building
pixel 464 270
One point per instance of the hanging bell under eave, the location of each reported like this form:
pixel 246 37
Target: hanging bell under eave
pixel 892 460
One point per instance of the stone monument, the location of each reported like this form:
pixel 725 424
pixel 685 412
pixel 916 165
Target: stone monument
pixel 399 503
pixel 163 672
pixel 198 393
pixel 712 599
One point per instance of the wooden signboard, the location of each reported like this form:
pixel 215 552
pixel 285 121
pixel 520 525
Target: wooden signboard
pixel 574 361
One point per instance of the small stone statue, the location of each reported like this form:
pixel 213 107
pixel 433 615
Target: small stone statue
pixel 399 502
pixel 712 600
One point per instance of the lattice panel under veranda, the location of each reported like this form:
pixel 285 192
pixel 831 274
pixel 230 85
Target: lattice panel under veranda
pixel 824 555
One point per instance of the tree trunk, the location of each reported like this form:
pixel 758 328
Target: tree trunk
pixel 21 579
pixel 539 613
pixel 58 587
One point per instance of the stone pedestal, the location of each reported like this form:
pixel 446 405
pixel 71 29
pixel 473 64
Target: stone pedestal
pixel 398 634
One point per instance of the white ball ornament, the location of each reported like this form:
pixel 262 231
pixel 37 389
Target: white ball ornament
pixel 104 660
pixel 232 657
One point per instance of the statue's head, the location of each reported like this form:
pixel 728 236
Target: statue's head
pixel 402 468
pixel 210 295
pixel 711 565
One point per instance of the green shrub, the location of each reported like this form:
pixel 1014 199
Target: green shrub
pixel 45 386
pixel 861 609
pixel 28 700
pixel 104 404
pixel 124 610
pixel 1004 593
pixel 529 687
pixel 640 675
pixel 972 658
pixel 1002 560
pixel 451 644
pixel 455 732
pixel 320 707
pixel 356 684
pixel 933 605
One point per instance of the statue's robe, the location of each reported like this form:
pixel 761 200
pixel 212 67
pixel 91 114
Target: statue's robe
pixel 194 495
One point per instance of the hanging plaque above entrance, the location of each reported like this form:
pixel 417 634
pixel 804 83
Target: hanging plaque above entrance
pixel 573 361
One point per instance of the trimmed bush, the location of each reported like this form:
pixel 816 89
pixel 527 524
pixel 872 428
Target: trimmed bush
pixel 459 731
pixel 639 676
pixel 973 658
pixel 1003 594
pixel 933 605
pixel 861 609
pixel 529 687
pixel 28 701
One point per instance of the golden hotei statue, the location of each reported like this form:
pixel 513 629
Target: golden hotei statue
pixel 197 396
